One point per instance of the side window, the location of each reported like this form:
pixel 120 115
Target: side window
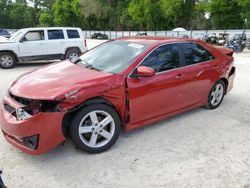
pixel 55 34
pixel 163 58
pixel 195 53
pixel 34 36
pixel 73 34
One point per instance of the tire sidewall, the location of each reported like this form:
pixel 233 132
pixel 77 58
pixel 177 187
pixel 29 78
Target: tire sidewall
pixel 10 55
pixel 210 105
pixel 76 123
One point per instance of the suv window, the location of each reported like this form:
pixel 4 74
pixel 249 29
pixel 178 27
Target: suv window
pixel 34 36
pixel 163 58
pixel 73 34
pixel 195 53
pixel 55 34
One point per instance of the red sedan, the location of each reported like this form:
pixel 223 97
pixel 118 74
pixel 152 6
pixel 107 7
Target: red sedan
pixel 124 83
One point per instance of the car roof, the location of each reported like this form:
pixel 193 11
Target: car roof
pixel 156 40
pixel 35 28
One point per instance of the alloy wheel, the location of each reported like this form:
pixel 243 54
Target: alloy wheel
pixel 217 94
pixel 96 129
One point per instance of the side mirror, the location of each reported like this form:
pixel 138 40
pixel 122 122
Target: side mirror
pixel 143 71
pixel 23 39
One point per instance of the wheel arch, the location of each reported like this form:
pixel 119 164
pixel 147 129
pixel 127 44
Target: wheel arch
pixel 11 52
pixel 70 114
pixel 225 82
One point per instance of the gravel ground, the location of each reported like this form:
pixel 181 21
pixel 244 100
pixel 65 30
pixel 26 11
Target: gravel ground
pixel 200 148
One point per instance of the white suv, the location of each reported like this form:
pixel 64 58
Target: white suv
pixel 41 44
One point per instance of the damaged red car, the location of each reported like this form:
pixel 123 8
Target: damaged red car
pixel 122 84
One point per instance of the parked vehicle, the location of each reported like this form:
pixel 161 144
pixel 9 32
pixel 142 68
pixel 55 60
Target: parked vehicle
pixel 124 83
pixel 223 39
pixel 41 44
pixel 211 39
pixel 99 36
pixel 4 33
pixel 238 43
pixel 141 34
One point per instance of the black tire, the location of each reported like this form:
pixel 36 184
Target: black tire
pixel 212 105
pixel 71 51
pixel 11 57
pixel 74 128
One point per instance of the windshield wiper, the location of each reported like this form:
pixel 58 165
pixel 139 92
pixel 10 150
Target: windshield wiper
pixel 87 65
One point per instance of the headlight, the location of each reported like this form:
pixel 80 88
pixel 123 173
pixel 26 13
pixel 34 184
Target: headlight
pixel 21 114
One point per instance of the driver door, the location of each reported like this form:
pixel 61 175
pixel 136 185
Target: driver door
pixel 162 93
pixel 33 46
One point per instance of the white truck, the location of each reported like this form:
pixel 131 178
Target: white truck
pixel 41 45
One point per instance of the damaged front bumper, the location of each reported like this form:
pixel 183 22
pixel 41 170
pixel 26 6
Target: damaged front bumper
pixel 33 134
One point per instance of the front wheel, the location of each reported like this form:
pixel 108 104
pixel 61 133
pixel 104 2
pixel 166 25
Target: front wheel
pixel 216 95
pixel 7 60
pixel 95 128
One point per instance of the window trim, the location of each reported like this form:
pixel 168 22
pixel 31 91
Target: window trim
pixel 183 63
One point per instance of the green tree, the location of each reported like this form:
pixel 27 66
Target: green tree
pixel 226 14
pixel 245 7
pixel 172 12
pixel 5 7
pixel 145 13
pixel 66 13
pixel 21 15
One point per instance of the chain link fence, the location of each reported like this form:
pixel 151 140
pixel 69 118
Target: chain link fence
pixel 198 34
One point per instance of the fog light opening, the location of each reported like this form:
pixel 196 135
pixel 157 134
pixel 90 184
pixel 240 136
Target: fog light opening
pixel 31 142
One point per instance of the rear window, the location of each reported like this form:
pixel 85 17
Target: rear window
pixel 55 34
pixel 195 53
pixel 73 34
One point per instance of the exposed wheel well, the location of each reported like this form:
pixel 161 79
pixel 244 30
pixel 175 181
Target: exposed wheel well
pixel 11 52
pixel 69 115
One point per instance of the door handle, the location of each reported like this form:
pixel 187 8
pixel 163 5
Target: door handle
pixel 179 76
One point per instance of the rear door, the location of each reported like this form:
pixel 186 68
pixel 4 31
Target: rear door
pixel 33 46
pixel 200 69
pixel 56 43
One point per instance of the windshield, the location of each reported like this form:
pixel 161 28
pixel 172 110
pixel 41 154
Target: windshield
pixel 113 57
pixel 16 35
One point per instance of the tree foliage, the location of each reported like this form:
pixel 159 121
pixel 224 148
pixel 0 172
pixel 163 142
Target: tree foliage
pixel 127 14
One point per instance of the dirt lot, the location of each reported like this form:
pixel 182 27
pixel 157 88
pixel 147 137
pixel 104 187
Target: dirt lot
pixel 200 148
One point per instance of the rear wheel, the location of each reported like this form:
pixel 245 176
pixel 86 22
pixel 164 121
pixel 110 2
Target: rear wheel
pixel 72 53
pixel 216 95
pixel 95 128
pixel 7 60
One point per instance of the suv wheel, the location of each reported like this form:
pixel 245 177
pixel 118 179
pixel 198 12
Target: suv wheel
pixel 7 60
pixel 72 53
pixel 95 128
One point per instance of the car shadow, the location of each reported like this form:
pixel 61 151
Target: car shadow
pixel 68 148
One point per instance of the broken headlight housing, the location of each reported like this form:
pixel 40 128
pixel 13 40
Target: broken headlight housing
pixel 21 114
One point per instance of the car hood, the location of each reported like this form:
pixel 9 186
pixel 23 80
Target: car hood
pixel 56 80
pixel 5 40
